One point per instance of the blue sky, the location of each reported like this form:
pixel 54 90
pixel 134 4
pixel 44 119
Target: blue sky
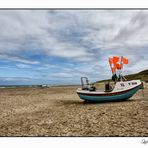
pixel 60 46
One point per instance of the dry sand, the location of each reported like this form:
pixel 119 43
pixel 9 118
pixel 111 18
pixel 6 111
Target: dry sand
pixel 58 111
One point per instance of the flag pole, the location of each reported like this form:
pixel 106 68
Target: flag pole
pixel 121 66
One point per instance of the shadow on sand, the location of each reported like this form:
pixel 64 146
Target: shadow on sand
pixel 76 102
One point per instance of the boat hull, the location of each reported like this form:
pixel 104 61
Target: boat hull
pixel 107 97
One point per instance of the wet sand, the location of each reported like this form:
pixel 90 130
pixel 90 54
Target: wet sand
pixel 58 111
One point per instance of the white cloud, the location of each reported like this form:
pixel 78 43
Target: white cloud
pixel 83 37
pixel 23 66
pixel 17 59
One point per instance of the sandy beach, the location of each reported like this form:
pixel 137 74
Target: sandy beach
pixel 58 111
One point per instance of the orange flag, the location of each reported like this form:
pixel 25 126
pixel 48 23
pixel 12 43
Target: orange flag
pixel 111 61
pixel 115 59
pixel 113 69
pixel 119 66
pixel 125 61
pixel 111 65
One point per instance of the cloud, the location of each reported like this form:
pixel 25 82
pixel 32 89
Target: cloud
pixel 17 58
pixel 23 66
pixel 65 44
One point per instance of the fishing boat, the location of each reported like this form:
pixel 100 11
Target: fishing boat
pixel 122 90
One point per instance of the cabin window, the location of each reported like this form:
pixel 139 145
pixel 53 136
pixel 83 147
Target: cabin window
pixel 122 84
pixel 134 83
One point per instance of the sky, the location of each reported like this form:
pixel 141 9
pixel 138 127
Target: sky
pixel 60 46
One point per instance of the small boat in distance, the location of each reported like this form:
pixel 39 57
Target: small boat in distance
pixel 123 89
